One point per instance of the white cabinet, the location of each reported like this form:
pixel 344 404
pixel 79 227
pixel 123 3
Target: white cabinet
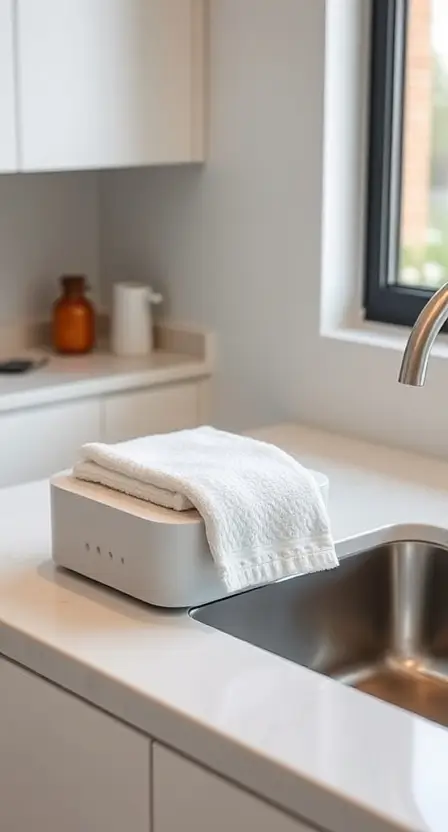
pixel 65 765
pixel 187 798
pixel 37 442
pixel 109 83
pixel 100 83
pixel 160 410
pixel 8 142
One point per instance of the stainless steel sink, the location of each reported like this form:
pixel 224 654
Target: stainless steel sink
pixel 379 622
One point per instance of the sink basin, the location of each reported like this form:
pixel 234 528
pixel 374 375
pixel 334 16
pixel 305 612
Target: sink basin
pixel 379 622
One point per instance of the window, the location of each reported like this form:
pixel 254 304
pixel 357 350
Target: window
pixel 407 211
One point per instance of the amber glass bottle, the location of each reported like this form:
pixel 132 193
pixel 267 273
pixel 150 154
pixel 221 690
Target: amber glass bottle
pixel 73 318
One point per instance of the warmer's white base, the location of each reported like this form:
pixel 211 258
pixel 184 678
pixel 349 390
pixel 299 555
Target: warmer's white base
pixel 154 554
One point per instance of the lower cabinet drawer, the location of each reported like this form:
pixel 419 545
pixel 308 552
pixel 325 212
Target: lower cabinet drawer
pixel 160 410
pixel 188 798
pixel 65 766
pixel 39 441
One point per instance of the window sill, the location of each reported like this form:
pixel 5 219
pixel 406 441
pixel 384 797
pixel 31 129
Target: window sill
pixel 387 337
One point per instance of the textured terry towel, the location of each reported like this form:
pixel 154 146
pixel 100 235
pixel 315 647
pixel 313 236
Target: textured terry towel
pixel 264 515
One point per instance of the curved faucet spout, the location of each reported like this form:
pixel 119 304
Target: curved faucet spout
pixel 423 334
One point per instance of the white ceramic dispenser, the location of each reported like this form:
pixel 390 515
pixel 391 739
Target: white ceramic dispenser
pixel 132 326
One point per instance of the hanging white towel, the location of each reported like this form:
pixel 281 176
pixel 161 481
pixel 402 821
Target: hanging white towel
pixel 264 515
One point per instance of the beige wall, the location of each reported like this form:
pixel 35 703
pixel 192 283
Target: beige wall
pixel 48 225
pixel 233 244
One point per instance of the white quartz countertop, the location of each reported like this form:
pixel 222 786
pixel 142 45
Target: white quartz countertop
pixel 100 372
pixel 338 758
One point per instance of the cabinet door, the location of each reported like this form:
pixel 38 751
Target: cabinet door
pixel 65 765
pixel 106 83
pixel 8 148
pixel 40 441
pixel 128 415
pixel 187 798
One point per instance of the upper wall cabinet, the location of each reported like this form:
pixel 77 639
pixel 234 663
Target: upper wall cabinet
pixel 108 83
pixel 8 142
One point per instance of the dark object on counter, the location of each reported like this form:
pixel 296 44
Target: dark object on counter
pixel 73 318
pixel 15 366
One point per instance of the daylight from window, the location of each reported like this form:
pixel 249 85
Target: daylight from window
pixel 424 207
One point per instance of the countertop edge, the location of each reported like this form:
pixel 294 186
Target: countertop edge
pixel 186 352
pixel 103 385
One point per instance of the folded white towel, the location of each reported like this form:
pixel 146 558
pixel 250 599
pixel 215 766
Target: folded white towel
pixel 264 515
pixel 93 472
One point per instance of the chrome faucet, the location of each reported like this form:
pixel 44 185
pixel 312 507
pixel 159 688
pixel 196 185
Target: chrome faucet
pixel 423 334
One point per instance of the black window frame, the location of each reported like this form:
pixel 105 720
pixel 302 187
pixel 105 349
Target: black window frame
pixel 385 301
